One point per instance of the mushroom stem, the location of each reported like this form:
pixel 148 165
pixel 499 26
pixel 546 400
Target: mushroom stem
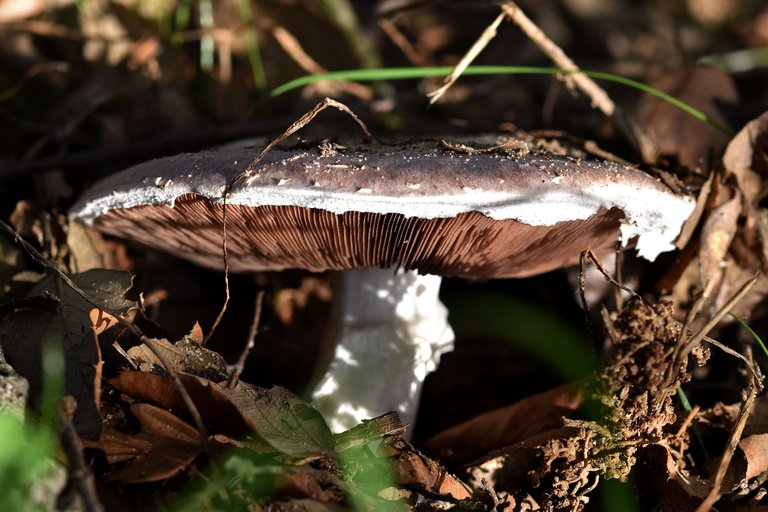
pixel 391 329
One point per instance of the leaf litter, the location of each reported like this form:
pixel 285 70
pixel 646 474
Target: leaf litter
pixel 545 451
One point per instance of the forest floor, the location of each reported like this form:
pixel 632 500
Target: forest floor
pixel 114 396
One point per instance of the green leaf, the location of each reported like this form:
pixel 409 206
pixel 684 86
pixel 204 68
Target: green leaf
pixel 282 419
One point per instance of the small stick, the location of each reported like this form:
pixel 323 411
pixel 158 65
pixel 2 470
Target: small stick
pixel 594 92
pixel 485 38
pixel 617 271
pixel 687 422
pixel 583 294
pixel 696 339
pixel 80 474
pixel 240 365
pixel 733 441
pixel 591 256
pixel 398 38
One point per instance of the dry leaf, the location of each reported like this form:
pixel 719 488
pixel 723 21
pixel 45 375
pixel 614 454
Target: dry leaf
pixel 174 445
pixel 716 237
pixel 745 158
pixel 414 469
pixel 186 355
pixel 65 321
pixel 284 420
pixel 87 248
pixel 219 414
pixel 117 446
pixel 508 425
pixel 676 133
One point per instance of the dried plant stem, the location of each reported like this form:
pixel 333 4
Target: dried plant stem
pixel 295 50
pixel 594 92
pixel 80 474
pixel 688 420
pixel 727 307
pixel 733 441
pixel 240 365
pixel 479 45
pixel 398 38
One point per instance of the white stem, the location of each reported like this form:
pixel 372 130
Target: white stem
pixel 392 331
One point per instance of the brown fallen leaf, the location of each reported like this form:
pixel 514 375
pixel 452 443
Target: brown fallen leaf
pixel 414 469
pixel 87 249
pixel 744 158
pixel 117 446
pixel 218 413
pixel 675 489
pixel 674 132
pixel 508 425
pixel 754 450
pixel 286 423
pixel 174 445
pixel 716 237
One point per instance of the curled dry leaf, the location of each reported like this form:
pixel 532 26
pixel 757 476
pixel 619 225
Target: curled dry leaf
pixel 745 158
pixel 750 459
pixel 675 488
pixel 414 469
pixel 505 426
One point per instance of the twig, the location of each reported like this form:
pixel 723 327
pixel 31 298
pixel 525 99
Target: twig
pixel 479 45
pixel 618 297
pixel 134 329
pixel 398 39
pixel 240 365
pixel 687 422
pixel 591 256
pixel 686 331
pixel 733 441
pixel 80 476
pixel 594 92
pixel 696 339
pixel 293 48
pixel 583 293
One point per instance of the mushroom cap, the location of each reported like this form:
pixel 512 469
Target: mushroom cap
pixel 423 206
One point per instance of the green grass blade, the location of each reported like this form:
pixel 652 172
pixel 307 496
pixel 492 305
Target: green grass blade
pixel 746 326
pixel 368 75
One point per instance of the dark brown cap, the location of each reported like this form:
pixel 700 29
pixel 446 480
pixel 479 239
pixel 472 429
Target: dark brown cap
pixel 423 206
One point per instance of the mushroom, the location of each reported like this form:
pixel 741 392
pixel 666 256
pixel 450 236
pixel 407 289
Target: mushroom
pixel 391 219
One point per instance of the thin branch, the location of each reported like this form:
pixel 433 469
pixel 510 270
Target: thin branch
pixel 479 45
pixel 80 475
pixel 733 442
pixel 240 365
pixel 594 92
